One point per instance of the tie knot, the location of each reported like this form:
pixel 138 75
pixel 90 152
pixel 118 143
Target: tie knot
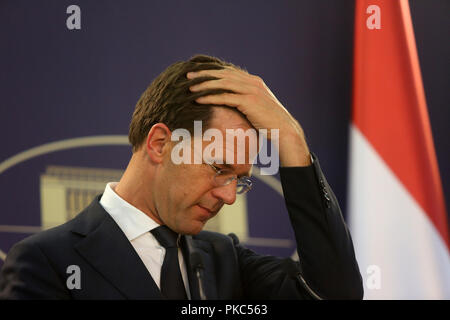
pixel 166 237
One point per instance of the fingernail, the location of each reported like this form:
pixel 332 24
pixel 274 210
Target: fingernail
pixel 190 74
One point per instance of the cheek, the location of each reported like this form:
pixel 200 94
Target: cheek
pixel 184 185
pixel 178 186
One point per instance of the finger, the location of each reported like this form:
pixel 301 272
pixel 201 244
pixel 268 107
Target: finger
pixel 228 99
pixel 203 73
pixel 227 73
pixel 232 85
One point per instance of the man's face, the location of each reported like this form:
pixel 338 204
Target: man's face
pixel 186 197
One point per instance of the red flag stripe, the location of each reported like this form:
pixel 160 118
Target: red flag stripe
pixel 389 105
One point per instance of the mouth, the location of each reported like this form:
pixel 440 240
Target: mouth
pixel 205 213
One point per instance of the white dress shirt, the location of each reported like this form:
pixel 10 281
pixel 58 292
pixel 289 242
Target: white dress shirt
pixel 136 226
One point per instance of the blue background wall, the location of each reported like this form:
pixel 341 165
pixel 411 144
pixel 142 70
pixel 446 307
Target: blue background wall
pixel 58 84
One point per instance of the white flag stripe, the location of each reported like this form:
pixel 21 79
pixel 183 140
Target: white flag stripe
pixel 392 231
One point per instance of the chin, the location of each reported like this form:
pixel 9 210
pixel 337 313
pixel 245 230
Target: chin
pixel 194 228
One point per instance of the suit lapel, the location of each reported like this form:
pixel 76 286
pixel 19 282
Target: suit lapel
pixel 209 277
pixel 108 250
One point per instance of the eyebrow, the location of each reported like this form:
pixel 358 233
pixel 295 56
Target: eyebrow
pixel 229 166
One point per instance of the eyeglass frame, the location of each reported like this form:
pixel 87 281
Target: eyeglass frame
pixel 245 181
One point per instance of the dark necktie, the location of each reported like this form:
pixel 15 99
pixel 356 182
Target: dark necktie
pixel 172 286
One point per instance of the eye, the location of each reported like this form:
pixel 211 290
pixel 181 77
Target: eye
pixel 215 168
pixel 219 170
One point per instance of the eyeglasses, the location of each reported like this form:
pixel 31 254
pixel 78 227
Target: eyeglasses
pixel 224 177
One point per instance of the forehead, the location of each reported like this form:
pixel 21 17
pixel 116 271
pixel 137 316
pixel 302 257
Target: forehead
pixel 237 132
pixel 225 118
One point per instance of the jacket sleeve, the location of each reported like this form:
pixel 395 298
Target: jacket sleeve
pixel 324 244
pixel 327 268
pixel 27 274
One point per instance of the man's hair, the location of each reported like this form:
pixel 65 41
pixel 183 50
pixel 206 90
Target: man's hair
pixel 168 99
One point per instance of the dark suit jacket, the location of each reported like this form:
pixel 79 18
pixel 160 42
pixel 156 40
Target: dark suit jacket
pixel 36 268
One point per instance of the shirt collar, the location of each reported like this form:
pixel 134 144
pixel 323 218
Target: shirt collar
pixel 132 221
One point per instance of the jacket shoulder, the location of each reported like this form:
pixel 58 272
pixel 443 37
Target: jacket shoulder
pixel 63 235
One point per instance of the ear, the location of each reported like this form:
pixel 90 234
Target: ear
pixel 158 137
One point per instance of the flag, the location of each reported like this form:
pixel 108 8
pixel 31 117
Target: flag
pixel 397 210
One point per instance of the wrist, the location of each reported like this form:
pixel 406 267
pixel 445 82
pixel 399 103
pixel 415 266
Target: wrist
pixel 294 151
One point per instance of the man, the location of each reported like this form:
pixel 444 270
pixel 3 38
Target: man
pixel 142 238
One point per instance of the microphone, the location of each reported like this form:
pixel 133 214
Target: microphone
pixel 294 269
pixel 196 264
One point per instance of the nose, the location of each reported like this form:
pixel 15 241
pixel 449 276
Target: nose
pixel 227 194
